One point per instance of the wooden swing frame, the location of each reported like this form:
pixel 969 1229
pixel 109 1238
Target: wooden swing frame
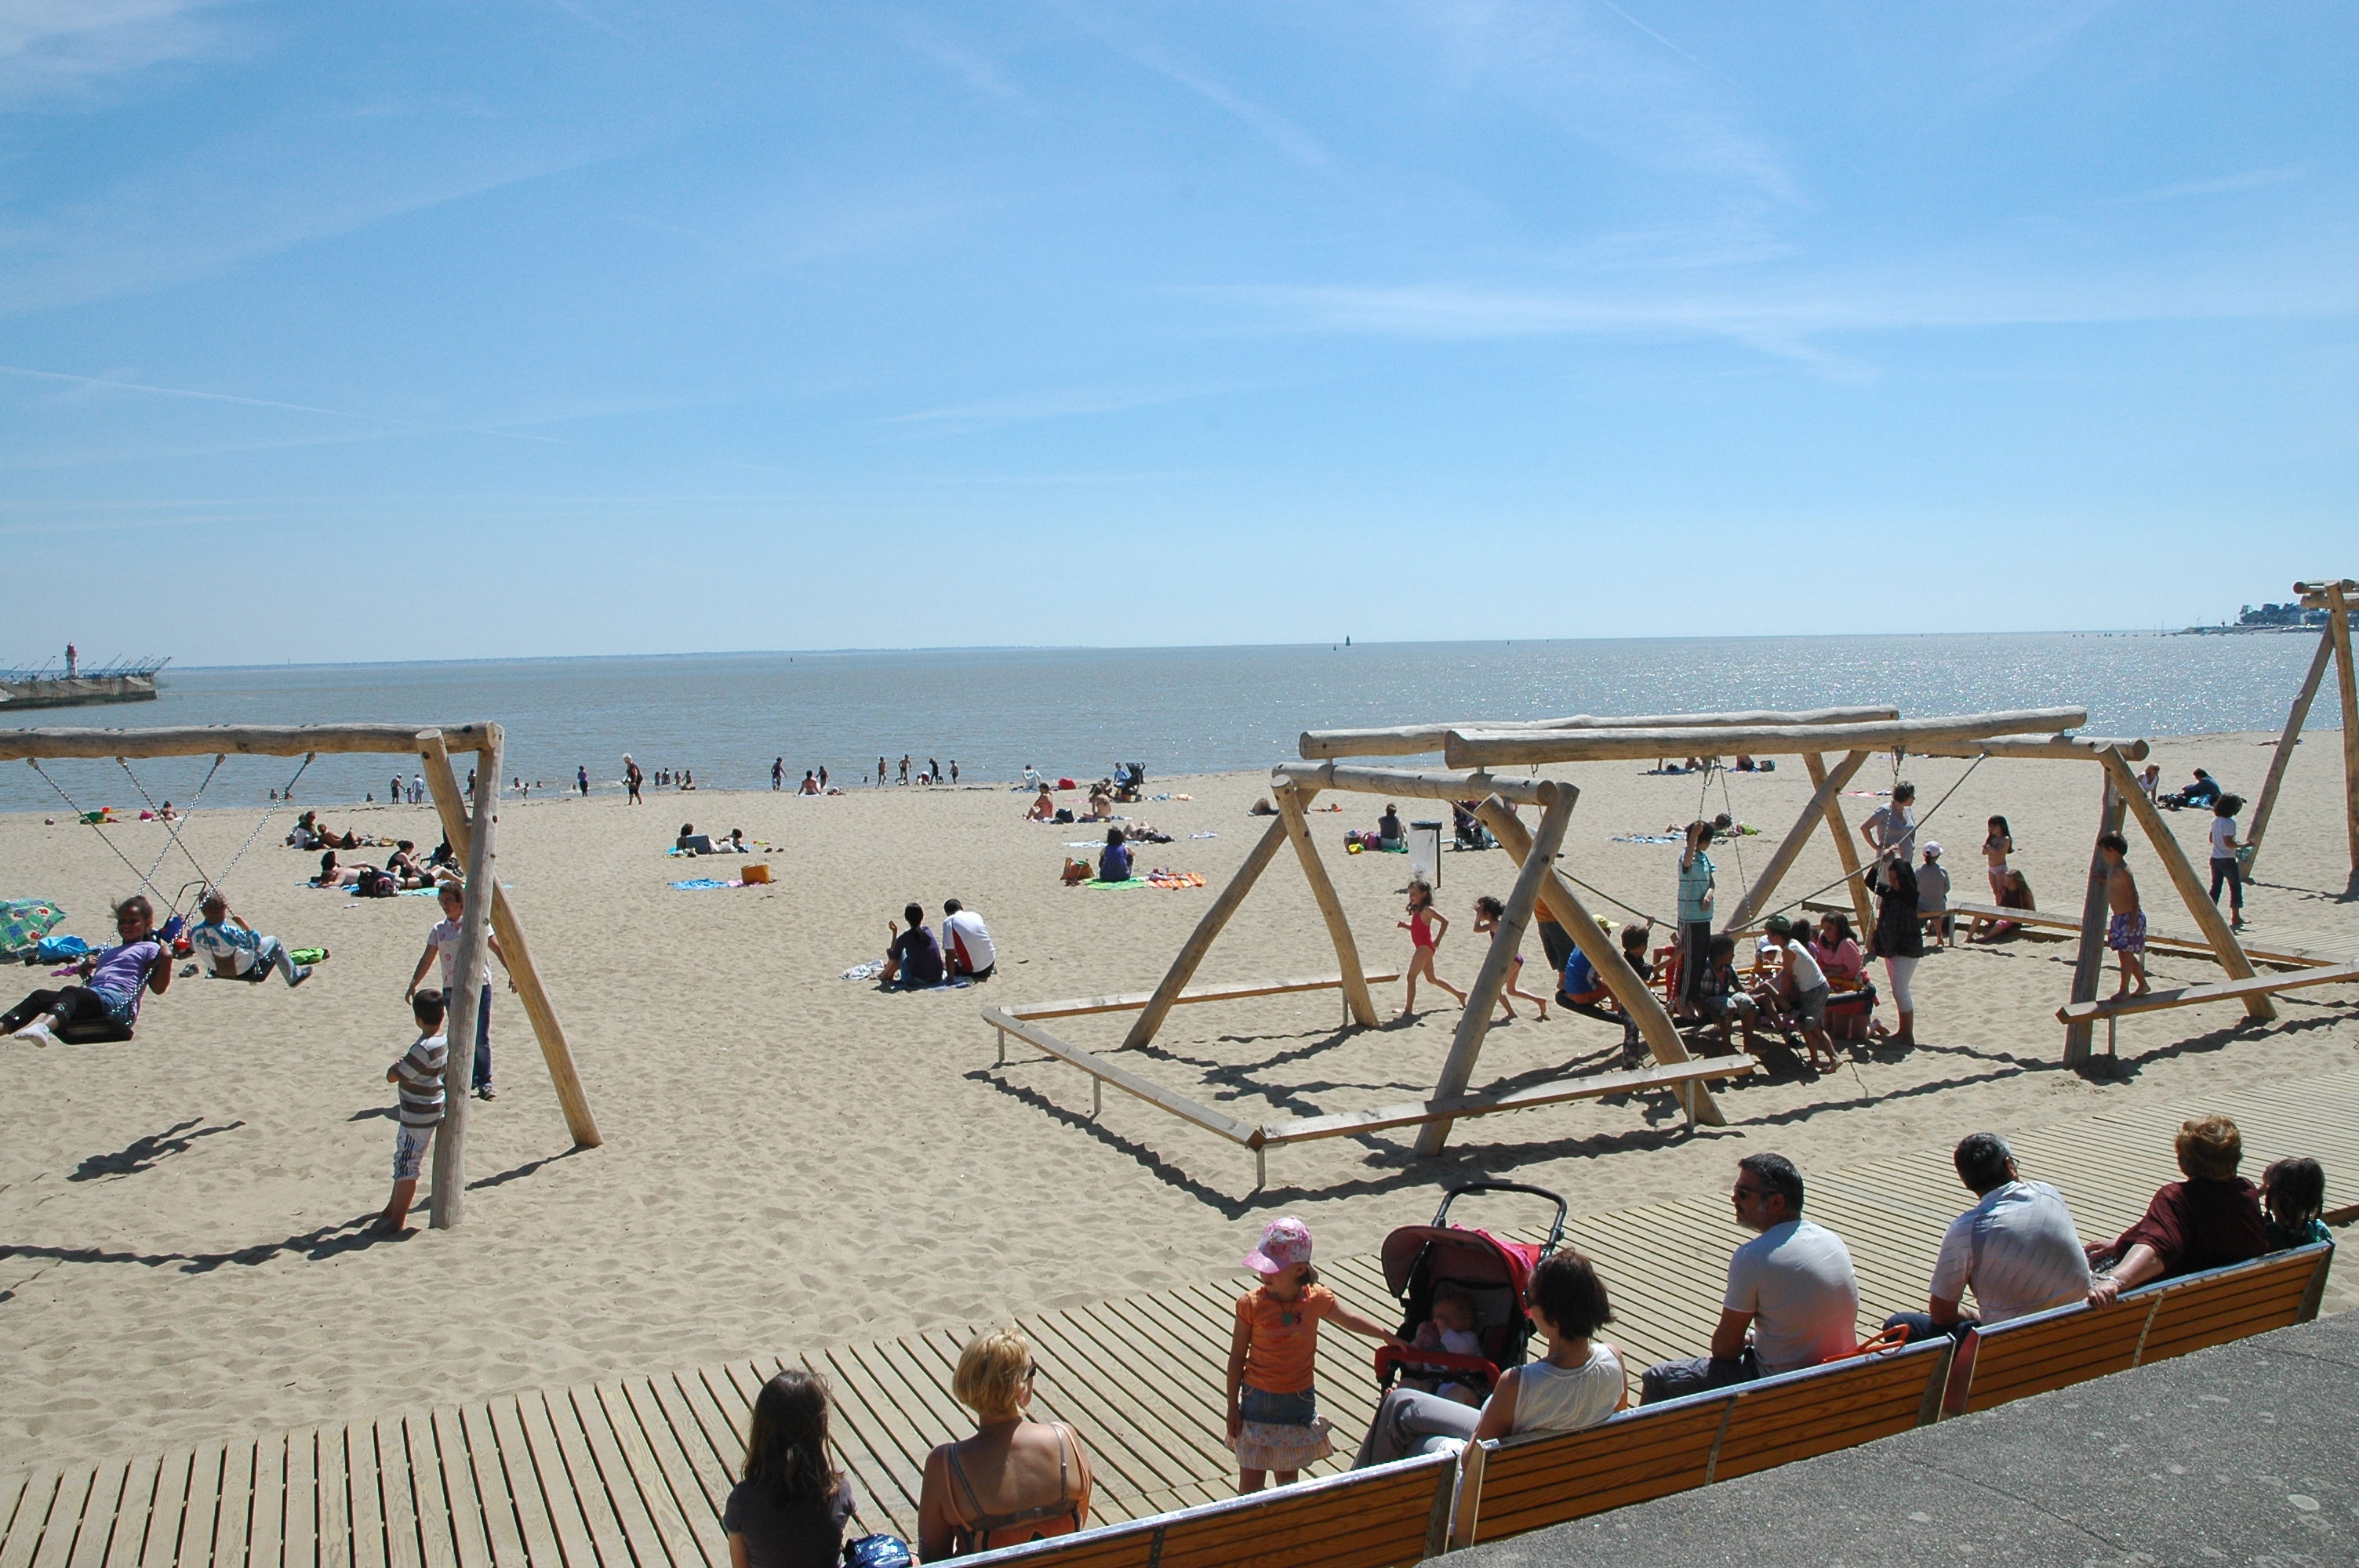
pixel 485 909
pixel 2333 647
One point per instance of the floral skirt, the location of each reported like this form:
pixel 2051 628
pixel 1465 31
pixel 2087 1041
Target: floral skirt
pixel 1280 1432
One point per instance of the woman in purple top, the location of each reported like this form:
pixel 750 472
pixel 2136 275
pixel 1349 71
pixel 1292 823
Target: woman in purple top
pixel 118 978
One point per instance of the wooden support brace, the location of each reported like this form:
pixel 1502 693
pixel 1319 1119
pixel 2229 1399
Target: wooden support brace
pixel 2089 964
pixel 2208 918
pixel 1498 963
pixel 466 983
pixel 1847 852
pixel 2296 717
pixel 1200 941
pixel 2346 678
pixel 443 785
pixel 1638 998
pixel 1830 786
pixel 1361 1006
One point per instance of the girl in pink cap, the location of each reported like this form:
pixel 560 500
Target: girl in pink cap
pixel 1274 1420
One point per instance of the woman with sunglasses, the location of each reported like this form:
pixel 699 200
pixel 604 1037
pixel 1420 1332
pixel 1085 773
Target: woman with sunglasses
pixel 1016 1479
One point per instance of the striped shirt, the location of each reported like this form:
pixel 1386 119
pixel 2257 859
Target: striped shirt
pixel 419 1073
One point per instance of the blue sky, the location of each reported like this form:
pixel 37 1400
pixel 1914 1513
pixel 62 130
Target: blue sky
pixel 597 326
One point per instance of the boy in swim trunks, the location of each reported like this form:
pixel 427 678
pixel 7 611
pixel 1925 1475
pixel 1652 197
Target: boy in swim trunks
pixel 2126 933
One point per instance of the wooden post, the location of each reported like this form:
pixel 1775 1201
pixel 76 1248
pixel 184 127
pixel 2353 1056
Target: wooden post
pixel 1498 963
pixel 2208 918
pixel 1358 1004
pixel 2338 625
pixel 1830 786
pixel 1847 852
pixel 2295 719
pixel 466 983
pixel 2089 965
pixel 1638 998
pixel 1200 941
pixel 443 784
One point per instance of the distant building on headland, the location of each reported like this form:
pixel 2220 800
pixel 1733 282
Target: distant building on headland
pixel 134 681
pixel 2266 618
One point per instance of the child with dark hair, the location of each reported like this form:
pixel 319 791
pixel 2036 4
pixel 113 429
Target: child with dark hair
pixel 2126 931
pixel 2293 1202
pixel 115 979
pixel 1488 912
pixel 789 1509
pixel 2225 867
pixel 419 1073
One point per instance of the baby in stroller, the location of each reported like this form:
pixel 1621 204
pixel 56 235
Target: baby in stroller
pixel 1451 1331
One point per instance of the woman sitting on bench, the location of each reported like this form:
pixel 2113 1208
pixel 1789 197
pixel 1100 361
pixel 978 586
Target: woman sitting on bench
pixel 108 1006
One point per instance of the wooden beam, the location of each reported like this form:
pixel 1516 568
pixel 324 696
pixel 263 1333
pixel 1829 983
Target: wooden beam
pixel 2218 990
pixel 2089 963
pixel 1498 964
pixel 1418 1113
pixel 1416 786
pixel 2192 946
pixel 1756 897
pixel 1200 941
pixel 249 740
pixel 1420 740
pixel 2039 748
pixel 1331 908
pixel 1638 998
pixel 466 983
pixel 1847 852
pixel 1098 1067
pixel 555 1050
pixel 1080 1006
pixel 1518 748
pixel 2346 676
pixel 2208 918
pixel 2295 718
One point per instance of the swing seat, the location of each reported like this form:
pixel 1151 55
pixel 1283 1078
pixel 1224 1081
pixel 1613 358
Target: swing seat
pixel 105 1034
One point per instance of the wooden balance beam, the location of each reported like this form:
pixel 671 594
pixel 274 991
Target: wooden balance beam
pixel 2218 990
pixel 2183 947
pixel 1079 1006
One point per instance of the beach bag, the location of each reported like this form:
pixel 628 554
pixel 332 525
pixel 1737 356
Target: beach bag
pixel 879 1550
pixel 1065 813
pixel 61 949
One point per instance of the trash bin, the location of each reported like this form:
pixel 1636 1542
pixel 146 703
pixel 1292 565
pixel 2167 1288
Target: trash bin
pixel 1434 852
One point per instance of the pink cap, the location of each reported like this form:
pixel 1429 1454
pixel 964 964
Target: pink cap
pixel 1286 1243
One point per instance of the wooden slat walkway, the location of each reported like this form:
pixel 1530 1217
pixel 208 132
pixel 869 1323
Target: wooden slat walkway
pixel 632 1473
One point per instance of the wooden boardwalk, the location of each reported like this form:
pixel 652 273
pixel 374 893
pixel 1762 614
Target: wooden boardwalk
pixel 632 1473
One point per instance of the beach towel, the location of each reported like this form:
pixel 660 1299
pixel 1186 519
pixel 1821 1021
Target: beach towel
pixel 1646 838
pixel 704 884
pixel 1133 883
pixel 1203 835
pixel 25 921
pixel 868 971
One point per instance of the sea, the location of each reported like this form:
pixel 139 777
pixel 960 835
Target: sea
pixel 1080 711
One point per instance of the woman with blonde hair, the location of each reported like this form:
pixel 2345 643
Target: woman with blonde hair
pixel 1016 1479
pixel 788 1508
pixel 2208 1221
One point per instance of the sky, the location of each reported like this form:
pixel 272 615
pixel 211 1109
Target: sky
pixel 436 330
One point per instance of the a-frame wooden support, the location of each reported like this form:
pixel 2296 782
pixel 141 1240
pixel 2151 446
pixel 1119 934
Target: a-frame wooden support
pixel 2089 963
pixel 1847 852
pixel 1290 803
pixel 2208 918
pixel 1200 941
pixel 2333 647
pixel 1829 788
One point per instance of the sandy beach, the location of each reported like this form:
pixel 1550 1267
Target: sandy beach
pixel 794 1160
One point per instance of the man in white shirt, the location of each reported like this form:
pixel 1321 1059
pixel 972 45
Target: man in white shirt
pixel 2017 1249
pixel 1792 1301
pixel 966 943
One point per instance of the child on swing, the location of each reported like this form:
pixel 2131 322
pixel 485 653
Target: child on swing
pixel 1274 1425
pixel 1423 920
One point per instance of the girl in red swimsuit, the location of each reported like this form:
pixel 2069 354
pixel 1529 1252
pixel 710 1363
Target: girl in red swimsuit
pixel 1425 926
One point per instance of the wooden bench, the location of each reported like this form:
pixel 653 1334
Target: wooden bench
pixel 1522 1484
pixel 2217 991
pixel 2072 1343
pixel 1384 1516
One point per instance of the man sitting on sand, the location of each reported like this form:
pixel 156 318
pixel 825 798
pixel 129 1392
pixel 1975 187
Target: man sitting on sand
pixel 238 950
pixel 967 948
pixel 913 960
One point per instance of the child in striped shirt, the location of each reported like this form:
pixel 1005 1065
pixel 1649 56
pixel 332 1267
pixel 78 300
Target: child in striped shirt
pixel 420 1074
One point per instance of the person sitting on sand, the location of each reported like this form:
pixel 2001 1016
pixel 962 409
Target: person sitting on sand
pixel 692 842
pixel 1261 808
pixel 1388 828
pixel 914 958
pixel 967 948
pixel 118 978
pixel 236 949
pixel 1101 804
pixel 2203 792
pixel 2015 893
pixel 1044 807
pixel 810 783
pixel 1114 860
pixel 733 845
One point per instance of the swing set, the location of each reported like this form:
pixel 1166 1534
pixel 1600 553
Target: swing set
pixel 469 825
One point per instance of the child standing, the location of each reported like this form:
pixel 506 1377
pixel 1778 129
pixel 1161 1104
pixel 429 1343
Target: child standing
pixel 1695 915
pixel 2126 933
pixel 420 1074
pixel 2225 867
pixel 1273 1423
pixel 1487 914
pixel 1425 926
pixel 1996 846
pixel 443 941
pixel 1934 894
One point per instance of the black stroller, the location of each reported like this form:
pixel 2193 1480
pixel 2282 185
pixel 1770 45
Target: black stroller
pixel 1494 1274
pixel 1130 781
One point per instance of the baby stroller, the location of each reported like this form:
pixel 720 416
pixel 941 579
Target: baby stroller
pixel 1494 1274
pixel 1466 830
pixel 1130 781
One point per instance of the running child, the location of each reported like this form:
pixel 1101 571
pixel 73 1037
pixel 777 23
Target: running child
pixel 2126 933
pixel 1274 1425
pixel 2225 866
pixel 1488 912
pixel 1425 926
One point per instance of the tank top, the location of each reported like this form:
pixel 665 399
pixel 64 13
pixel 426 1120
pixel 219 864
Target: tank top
pixel 982 1531
pixel 1566 1398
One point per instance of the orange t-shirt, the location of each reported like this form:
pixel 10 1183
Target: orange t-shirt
pixel 1282 1337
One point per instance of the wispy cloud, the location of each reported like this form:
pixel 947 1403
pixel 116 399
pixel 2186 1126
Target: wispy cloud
pixel 1047 406
pixel 52 49
pixel 968 66
pixel 98 383
pixel 2226 184
pixel 1290 138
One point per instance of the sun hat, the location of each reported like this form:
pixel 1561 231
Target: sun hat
pixel 1933 848
pixel 1286 1243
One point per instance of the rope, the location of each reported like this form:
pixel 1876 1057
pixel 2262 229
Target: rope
pixel 267 816
pixel 1650 919
pixel 1735 833
pixel 80 812
pixel 1795 903
pixel 171 833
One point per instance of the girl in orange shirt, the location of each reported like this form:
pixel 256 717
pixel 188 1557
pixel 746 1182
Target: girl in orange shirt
pixel 1274 1420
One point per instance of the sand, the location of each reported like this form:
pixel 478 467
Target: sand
pixel 794 1160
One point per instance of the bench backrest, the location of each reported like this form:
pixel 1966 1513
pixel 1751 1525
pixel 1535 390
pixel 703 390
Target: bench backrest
pixel 1527 1483
pixel 2072 1343
pixel 1389 1516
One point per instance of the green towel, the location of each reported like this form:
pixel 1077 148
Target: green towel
pixel 1133 883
